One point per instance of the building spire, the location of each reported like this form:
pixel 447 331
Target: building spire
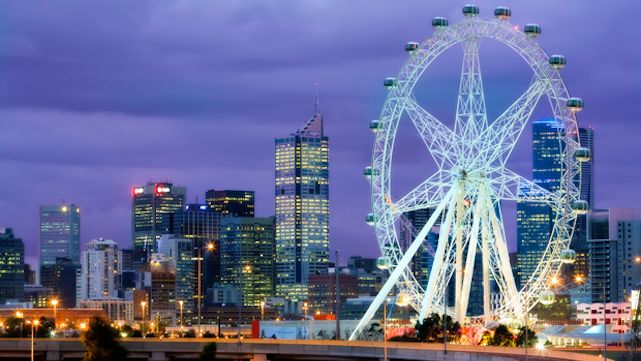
pixel 317 105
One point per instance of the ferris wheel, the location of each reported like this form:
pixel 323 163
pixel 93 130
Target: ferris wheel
pixel 472 181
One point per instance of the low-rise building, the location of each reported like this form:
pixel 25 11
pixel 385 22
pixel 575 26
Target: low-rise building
pixel 616 314
pixel 117 310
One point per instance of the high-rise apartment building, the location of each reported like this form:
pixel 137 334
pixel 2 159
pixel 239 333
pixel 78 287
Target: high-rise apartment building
pixel 59 235
pixel 535 220
pixel 150 205
pixel 247 257
pixel 98 276
pixel 11 266
pixel 302 208
pixel 231 203
pixel 614 245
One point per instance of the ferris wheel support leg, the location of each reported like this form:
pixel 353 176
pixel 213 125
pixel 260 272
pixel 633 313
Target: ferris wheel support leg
pixel 399 269
pixel 485 250
pixel 458 279
pixel 437 269
pixel 504 259
pixel 469 267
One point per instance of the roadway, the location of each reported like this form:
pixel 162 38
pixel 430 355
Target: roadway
pixel 282 350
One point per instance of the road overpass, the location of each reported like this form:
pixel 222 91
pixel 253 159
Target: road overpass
pixel 281 350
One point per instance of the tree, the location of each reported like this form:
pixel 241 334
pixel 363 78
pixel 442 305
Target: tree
pixel 208 352
pixel 101 344
pixel 531 337
pixel 429 329
pixel 502 337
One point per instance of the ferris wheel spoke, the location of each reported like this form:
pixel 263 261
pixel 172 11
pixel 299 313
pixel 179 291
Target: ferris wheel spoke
pixel 440 272
pixel 501 136
pixel 428 194
pixel 507 185
pixel 438 138
pixel 504 275
pixel 471 114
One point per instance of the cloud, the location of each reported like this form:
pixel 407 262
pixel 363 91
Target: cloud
pixel 98 96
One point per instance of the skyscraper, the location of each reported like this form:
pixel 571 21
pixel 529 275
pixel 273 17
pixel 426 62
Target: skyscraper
pixel 580 236
pixel 59 235
pixel 302 208
pixel 11 266
pixel 200 224
pixel 99 264
pixel 231 203
pixel 535 220
pixel 247 257
pixel 149 204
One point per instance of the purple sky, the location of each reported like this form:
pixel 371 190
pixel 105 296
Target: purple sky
pixel 98 96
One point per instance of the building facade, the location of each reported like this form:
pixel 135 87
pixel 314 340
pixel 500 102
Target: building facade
pixel 117 310
pixel 149 207
pixel 11 266
pixel 163 306
pixel 535 220
pixel 200 224
pixel 98 276
pixel 614 247
pixel 302 208
pixel 61 278
pixel 322 291
pixel 581 267
pixel 59 235
pixel 231 203
pixel 247 257
pixel 180 252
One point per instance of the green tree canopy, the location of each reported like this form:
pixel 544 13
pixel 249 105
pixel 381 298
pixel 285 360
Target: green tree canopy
pixel 502 337
pixel 101 344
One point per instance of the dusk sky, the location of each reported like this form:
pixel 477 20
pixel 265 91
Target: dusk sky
pixel 99 96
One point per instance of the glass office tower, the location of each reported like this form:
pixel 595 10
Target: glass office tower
pixel 247 257
pixel 535 220
pixel 149 207
pixel 59 235
pixel 302 208
pixel 231 203
pixel 11 266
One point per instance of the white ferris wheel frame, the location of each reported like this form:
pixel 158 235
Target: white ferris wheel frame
pixel 472 178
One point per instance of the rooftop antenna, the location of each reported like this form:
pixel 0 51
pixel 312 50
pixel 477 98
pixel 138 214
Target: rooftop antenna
pixel 317 106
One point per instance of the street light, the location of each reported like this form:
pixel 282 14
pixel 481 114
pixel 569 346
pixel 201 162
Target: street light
pixel 241 294
pixel 262 310
pixel 210 248
pixel 305 308
pixel 385 328
pixel 54 303
pixel 34 325
pixel 181 303
pixel 143 304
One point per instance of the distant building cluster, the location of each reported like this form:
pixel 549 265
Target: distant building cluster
pixel 197 263
pixel 201 263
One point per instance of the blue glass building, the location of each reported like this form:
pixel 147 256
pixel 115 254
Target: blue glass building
pixel 535 220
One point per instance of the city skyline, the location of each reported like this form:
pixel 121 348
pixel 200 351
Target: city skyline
pixel 224 139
